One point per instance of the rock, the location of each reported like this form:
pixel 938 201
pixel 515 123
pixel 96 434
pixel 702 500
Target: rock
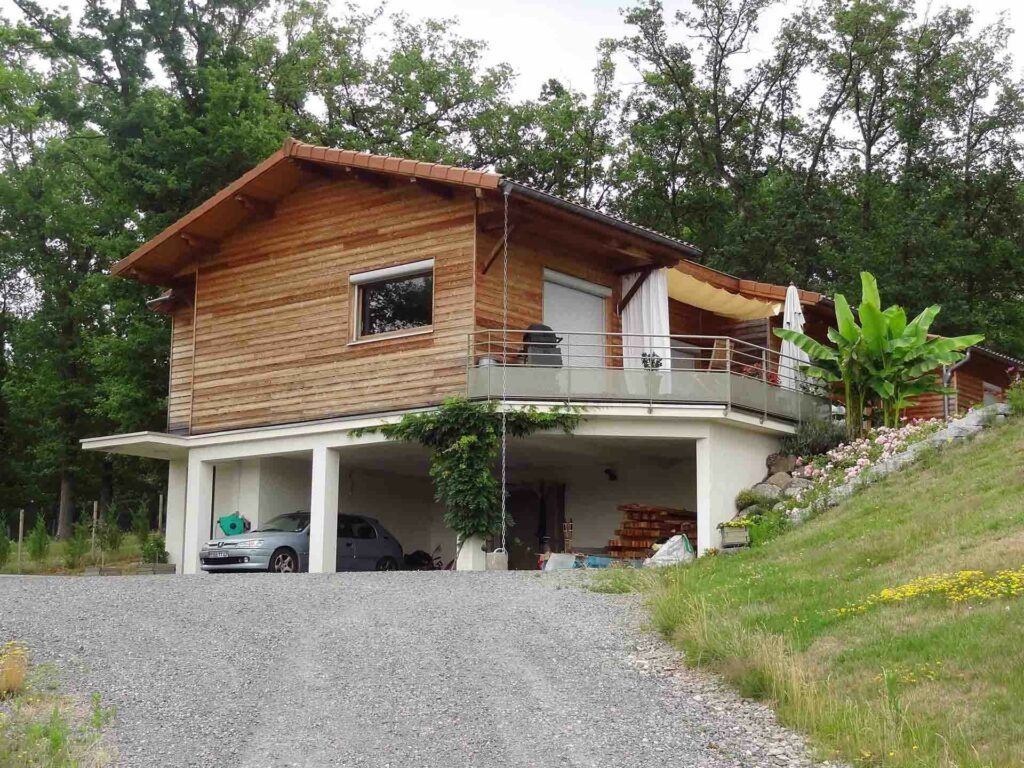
pixel 780 462
pixel 780 480
pixel 767 489
pixel 797 485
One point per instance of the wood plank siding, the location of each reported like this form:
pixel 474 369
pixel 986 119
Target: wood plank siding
pixel 529 254
pixel 274 313
pixel 179 390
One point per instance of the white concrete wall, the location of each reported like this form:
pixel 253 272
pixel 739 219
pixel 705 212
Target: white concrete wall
pixel 284 486
pixel 592 500
pixel 226 483
pixel 404 505
pixel 260 488
pixel 728 460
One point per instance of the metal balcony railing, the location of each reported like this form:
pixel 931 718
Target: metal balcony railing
pixel 616 367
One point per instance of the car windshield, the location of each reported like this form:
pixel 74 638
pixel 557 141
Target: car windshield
pixel 290 523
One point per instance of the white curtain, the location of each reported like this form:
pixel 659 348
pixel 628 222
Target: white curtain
pixel 645 321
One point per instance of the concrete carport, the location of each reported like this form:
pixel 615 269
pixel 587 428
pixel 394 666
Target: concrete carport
pixel 695 458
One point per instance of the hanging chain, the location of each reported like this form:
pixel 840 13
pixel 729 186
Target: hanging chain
pixel 504 369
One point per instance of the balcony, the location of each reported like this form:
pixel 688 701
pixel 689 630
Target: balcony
pixel 614 368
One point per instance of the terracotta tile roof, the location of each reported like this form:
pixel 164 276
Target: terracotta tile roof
pixel 161 256
pixel 447 174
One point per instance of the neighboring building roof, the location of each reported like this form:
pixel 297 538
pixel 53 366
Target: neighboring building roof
pixel 1012 361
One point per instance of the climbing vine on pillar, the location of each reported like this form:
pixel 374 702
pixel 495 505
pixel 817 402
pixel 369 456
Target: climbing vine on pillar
pixel 464 439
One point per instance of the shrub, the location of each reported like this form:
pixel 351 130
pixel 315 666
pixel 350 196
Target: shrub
pixel 814 437
pixel 5 542
pixel 751 498
pixel 140 524
pixel 76 547
pixel 1015 392
pixel 154 550
pixel 13 668
pixel 110 535
pixel 767 525
pixel 38 541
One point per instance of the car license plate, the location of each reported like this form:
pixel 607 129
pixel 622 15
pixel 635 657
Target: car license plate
pixel 216 554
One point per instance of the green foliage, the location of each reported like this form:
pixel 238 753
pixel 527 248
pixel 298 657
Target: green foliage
pixel 110 536
pixel 5 542
pixel 154 550
pixel 749 498
pixel 140 523
pixel 814 437
pixel 37 543
pixel 76 546
pixel 464 439
pixel 103 151
pixel 767 525
pixel 1015 394
pixel 883 358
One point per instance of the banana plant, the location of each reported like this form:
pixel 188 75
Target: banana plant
pixel 882 357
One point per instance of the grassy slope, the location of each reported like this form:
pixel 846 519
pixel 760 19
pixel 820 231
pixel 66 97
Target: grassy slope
pixel 915 684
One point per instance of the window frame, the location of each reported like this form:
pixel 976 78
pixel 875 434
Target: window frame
pixel 357 281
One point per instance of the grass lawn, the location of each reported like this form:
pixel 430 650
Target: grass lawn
pixel 921 682
pixel 53 563
pixel 41 727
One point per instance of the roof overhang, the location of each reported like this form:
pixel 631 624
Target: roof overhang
pixel 166 258
pixel 148 445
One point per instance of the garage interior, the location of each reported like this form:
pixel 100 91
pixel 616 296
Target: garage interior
pixel 566 493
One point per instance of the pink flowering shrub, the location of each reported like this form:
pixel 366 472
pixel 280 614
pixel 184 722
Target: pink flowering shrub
pixel 846 462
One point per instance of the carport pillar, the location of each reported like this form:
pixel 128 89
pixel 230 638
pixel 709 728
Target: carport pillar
pixel 323 511
pixel 177 479
pixel 706 538
pixel 198 512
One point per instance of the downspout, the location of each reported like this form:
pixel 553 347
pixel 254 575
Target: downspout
pixel 947 376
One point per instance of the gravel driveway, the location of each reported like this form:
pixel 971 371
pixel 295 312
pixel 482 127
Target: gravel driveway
pixel 382 669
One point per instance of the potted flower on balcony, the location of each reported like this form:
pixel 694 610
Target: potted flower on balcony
pixel 735 532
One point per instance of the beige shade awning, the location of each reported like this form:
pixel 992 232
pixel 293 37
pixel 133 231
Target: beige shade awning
pixel 689 290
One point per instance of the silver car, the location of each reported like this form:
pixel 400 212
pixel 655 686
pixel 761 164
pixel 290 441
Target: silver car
pixel 281 545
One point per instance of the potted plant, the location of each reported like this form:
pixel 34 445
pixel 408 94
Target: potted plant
pixel 735 533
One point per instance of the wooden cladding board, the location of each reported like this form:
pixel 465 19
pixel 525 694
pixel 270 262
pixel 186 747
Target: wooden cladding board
pixel 179 394
pixel 273 310
pixel 529 254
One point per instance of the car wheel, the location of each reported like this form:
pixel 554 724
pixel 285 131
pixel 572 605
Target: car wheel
pixel 284 561
pixel 387 564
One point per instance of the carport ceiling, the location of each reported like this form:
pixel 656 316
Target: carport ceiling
pixel 541 452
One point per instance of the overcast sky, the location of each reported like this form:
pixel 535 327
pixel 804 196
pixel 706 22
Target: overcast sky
pixel 557 38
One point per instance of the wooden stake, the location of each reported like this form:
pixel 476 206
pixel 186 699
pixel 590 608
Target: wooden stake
pixel 21 534
pixel 95 519
pixel 160 514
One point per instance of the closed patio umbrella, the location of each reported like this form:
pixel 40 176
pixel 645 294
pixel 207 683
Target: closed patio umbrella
pixel 792 356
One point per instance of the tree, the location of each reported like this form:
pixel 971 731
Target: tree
pixel 883 357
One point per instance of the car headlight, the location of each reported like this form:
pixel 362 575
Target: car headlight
pixel 249 544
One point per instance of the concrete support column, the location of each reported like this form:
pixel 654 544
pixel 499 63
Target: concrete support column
pixel 177 477
pixel 472 556
pixel 323 511
pixel 728 460
pixel 198 512
pixel 707 535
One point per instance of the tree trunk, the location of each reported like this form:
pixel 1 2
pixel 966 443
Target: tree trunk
pixel 66 516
